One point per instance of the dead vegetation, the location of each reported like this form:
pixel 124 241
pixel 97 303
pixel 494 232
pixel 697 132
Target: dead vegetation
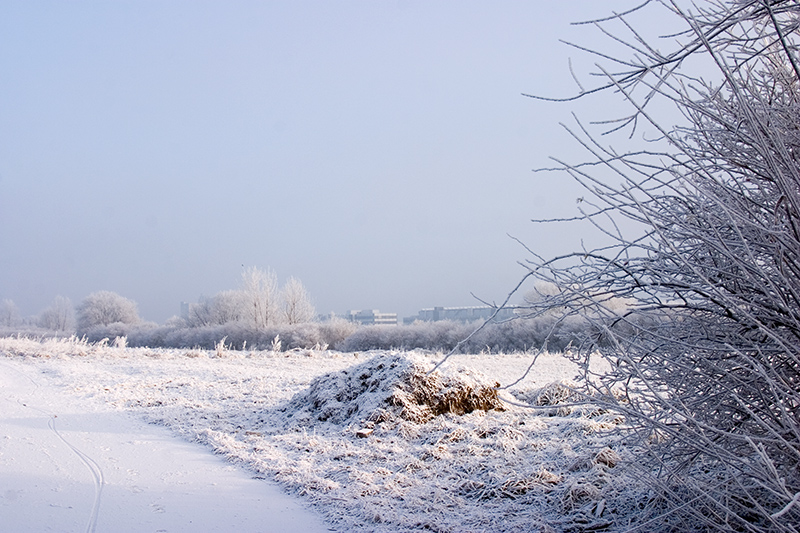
pixel 391 387
pixel 702 225
pixel 314 425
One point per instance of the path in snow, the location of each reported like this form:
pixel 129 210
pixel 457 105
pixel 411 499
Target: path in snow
pixel 69 466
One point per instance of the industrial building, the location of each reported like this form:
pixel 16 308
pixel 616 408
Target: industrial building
pixel 462 314
pixel 370 317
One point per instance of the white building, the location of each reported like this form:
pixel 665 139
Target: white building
pixel 463 314
pixel 370 317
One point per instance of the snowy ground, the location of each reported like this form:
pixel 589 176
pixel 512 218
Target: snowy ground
pixel 327 442
pixel 69 465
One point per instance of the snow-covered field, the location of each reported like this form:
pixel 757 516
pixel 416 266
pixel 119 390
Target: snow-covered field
pixel 363 463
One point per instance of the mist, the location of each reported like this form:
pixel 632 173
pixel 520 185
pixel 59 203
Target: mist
pixel 379 152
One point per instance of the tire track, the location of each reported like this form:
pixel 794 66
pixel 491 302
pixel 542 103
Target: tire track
pixel 94 468
pixel 91 464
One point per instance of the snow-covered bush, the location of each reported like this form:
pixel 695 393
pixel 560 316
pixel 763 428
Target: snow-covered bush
pixel 521 335
pixel 223 308
pixel 104 308
pixel 238 335
pixel 139 331
pixel 440 336
pixel 336 331
pixel 518 335
pixel 710 353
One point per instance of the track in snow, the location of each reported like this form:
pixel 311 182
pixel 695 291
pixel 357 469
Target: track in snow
pixel 91 464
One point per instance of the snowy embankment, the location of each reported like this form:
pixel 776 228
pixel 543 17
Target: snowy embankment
pixel 370 439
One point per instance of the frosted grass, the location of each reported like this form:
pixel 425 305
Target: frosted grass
pixel 520 469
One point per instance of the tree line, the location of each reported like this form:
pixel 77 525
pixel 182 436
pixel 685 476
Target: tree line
pixel 259 303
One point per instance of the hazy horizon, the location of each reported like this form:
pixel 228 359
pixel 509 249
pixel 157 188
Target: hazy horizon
pixel 380 152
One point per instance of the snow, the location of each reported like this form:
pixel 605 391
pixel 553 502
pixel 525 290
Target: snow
pixel 317 423
pixel 68 465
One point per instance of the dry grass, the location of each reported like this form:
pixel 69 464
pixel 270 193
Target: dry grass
pixel 421 396
pixel 392 387
pixel 297 419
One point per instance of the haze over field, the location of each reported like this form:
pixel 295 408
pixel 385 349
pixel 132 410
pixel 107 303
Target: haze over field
pixel 380 152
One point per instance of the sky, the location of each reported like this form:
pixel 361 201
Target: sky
pixel 381 152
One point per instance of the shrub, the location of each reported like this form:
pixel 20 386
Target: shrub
pixel 104 308
pixel 709 356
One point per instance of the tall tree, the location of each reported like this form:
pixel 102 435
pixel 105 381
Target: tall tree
pixel 297 307
pixel 261 292
pixel 59 316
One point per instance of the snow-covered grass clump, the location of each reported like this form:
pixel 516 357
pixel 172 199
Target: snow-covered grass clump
pixel 373 440
pixel 390 387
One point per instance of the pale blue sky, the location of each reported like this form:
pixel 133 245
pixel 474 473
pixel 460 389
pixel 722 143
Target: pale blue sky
pixel 378 151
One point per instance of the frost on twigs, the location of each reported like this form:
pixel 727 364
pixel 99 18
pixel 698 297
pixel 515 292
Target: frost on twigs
pixel 561 398
pixel 393 387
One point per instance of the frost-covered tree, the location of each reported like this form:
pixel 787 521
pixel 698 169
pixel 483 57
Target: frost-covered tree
pixel 199 313
pixel 296 304
pixel 225 307
pixel 9 313
pixel 709 358
pixel 257 305
pixel 260 288
pixel 59 316
pixel 103 308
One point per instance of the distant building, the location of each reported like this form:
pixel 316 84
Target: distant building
pixel 462 314
pixel 371 317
